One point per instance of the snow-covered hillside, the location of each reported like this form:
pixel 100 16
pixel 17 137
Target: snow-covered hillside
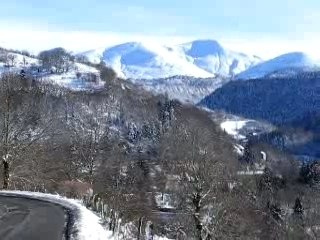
pixel 201 58
pixel 296 61
pixel 17 62
pixel 185 89
pixel 79 77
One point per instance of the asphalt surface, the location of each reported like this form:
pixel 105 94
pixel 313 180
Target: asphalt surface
pixel 28 219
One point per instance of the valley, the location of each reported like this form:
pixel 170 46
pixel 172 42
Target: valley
pixel 191 141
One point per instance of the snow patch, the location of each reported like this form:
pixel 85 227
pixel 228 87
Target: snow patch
pixel 75 78
pixel 164 200
pixel 232 127
pixel 239 149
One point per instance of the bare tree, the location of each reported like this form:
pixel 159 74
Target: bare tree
pixel 11 60
pixel 107 74
pixel 24 61
pixel 200 160
pixel 21 122
pixel 88 131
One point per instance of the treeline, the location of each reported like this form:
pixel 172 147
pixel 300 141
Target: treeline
pixel 161 168
pixel 21 52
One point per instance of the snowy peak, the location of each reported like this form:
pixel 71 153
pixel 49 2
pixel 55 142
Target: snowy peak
pixel 203 48
pixel 131 53
pixel 149 60
pixel 200 58
pixel 214 58
pixel 295 60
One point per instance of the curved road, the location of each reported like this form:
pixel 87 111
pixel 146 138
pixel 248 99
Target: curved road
pixel 29 219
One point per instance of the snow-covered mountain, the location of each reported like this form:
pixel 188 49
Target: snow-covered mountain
pixel 287 63
pixel 201 58
pixel 214 58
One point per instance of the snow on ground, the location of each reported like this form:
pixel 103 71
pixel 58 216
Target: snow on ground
pixel 164 201
pixel 239 149
pixel 232 127
pixel 238 127
pixel 74 79
pixel 76 82
pixel 250 172
pixel 87 223
pixel 20 62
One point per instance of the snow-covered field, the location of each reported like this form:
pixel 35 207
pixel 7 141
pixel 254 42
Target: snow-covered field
pixel 72 81
pixel 87 223
pixel 232 127
pixel 20 62
pixel 238 127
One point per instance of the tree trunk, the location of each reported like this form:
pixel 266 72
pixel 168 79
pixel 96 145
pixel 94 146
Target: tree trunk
pixel 198 227
pixel 196 215
pixel 5 175
pixel 140 228
pixel 6 129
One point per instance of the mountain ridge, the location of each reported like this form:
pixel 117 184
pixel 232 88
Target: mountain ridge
pixel 199 58
pixel 299 61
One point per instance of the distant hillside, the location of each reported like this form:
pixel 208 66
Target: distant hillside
pixel 277 100
pixel 183 88
pixel 292 104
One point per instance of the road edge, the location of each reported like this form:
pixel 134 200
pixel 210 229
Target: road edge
pixel 71 212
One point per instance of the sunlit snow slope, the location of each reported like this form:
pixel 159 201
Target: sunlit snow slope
pixel 201 58
pixel 294 61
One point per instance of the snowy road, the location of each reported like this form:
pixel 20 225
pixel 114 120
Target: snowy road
pixel 30 219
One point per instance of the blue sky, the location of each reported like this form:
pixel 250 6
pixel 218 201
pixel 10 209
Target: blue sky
pixel 235 22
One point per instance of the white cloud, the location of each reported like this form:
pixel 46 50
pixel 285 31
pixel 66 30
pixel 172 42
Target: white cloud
pixel 36 38
pixel 75 41
pixel 271 47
